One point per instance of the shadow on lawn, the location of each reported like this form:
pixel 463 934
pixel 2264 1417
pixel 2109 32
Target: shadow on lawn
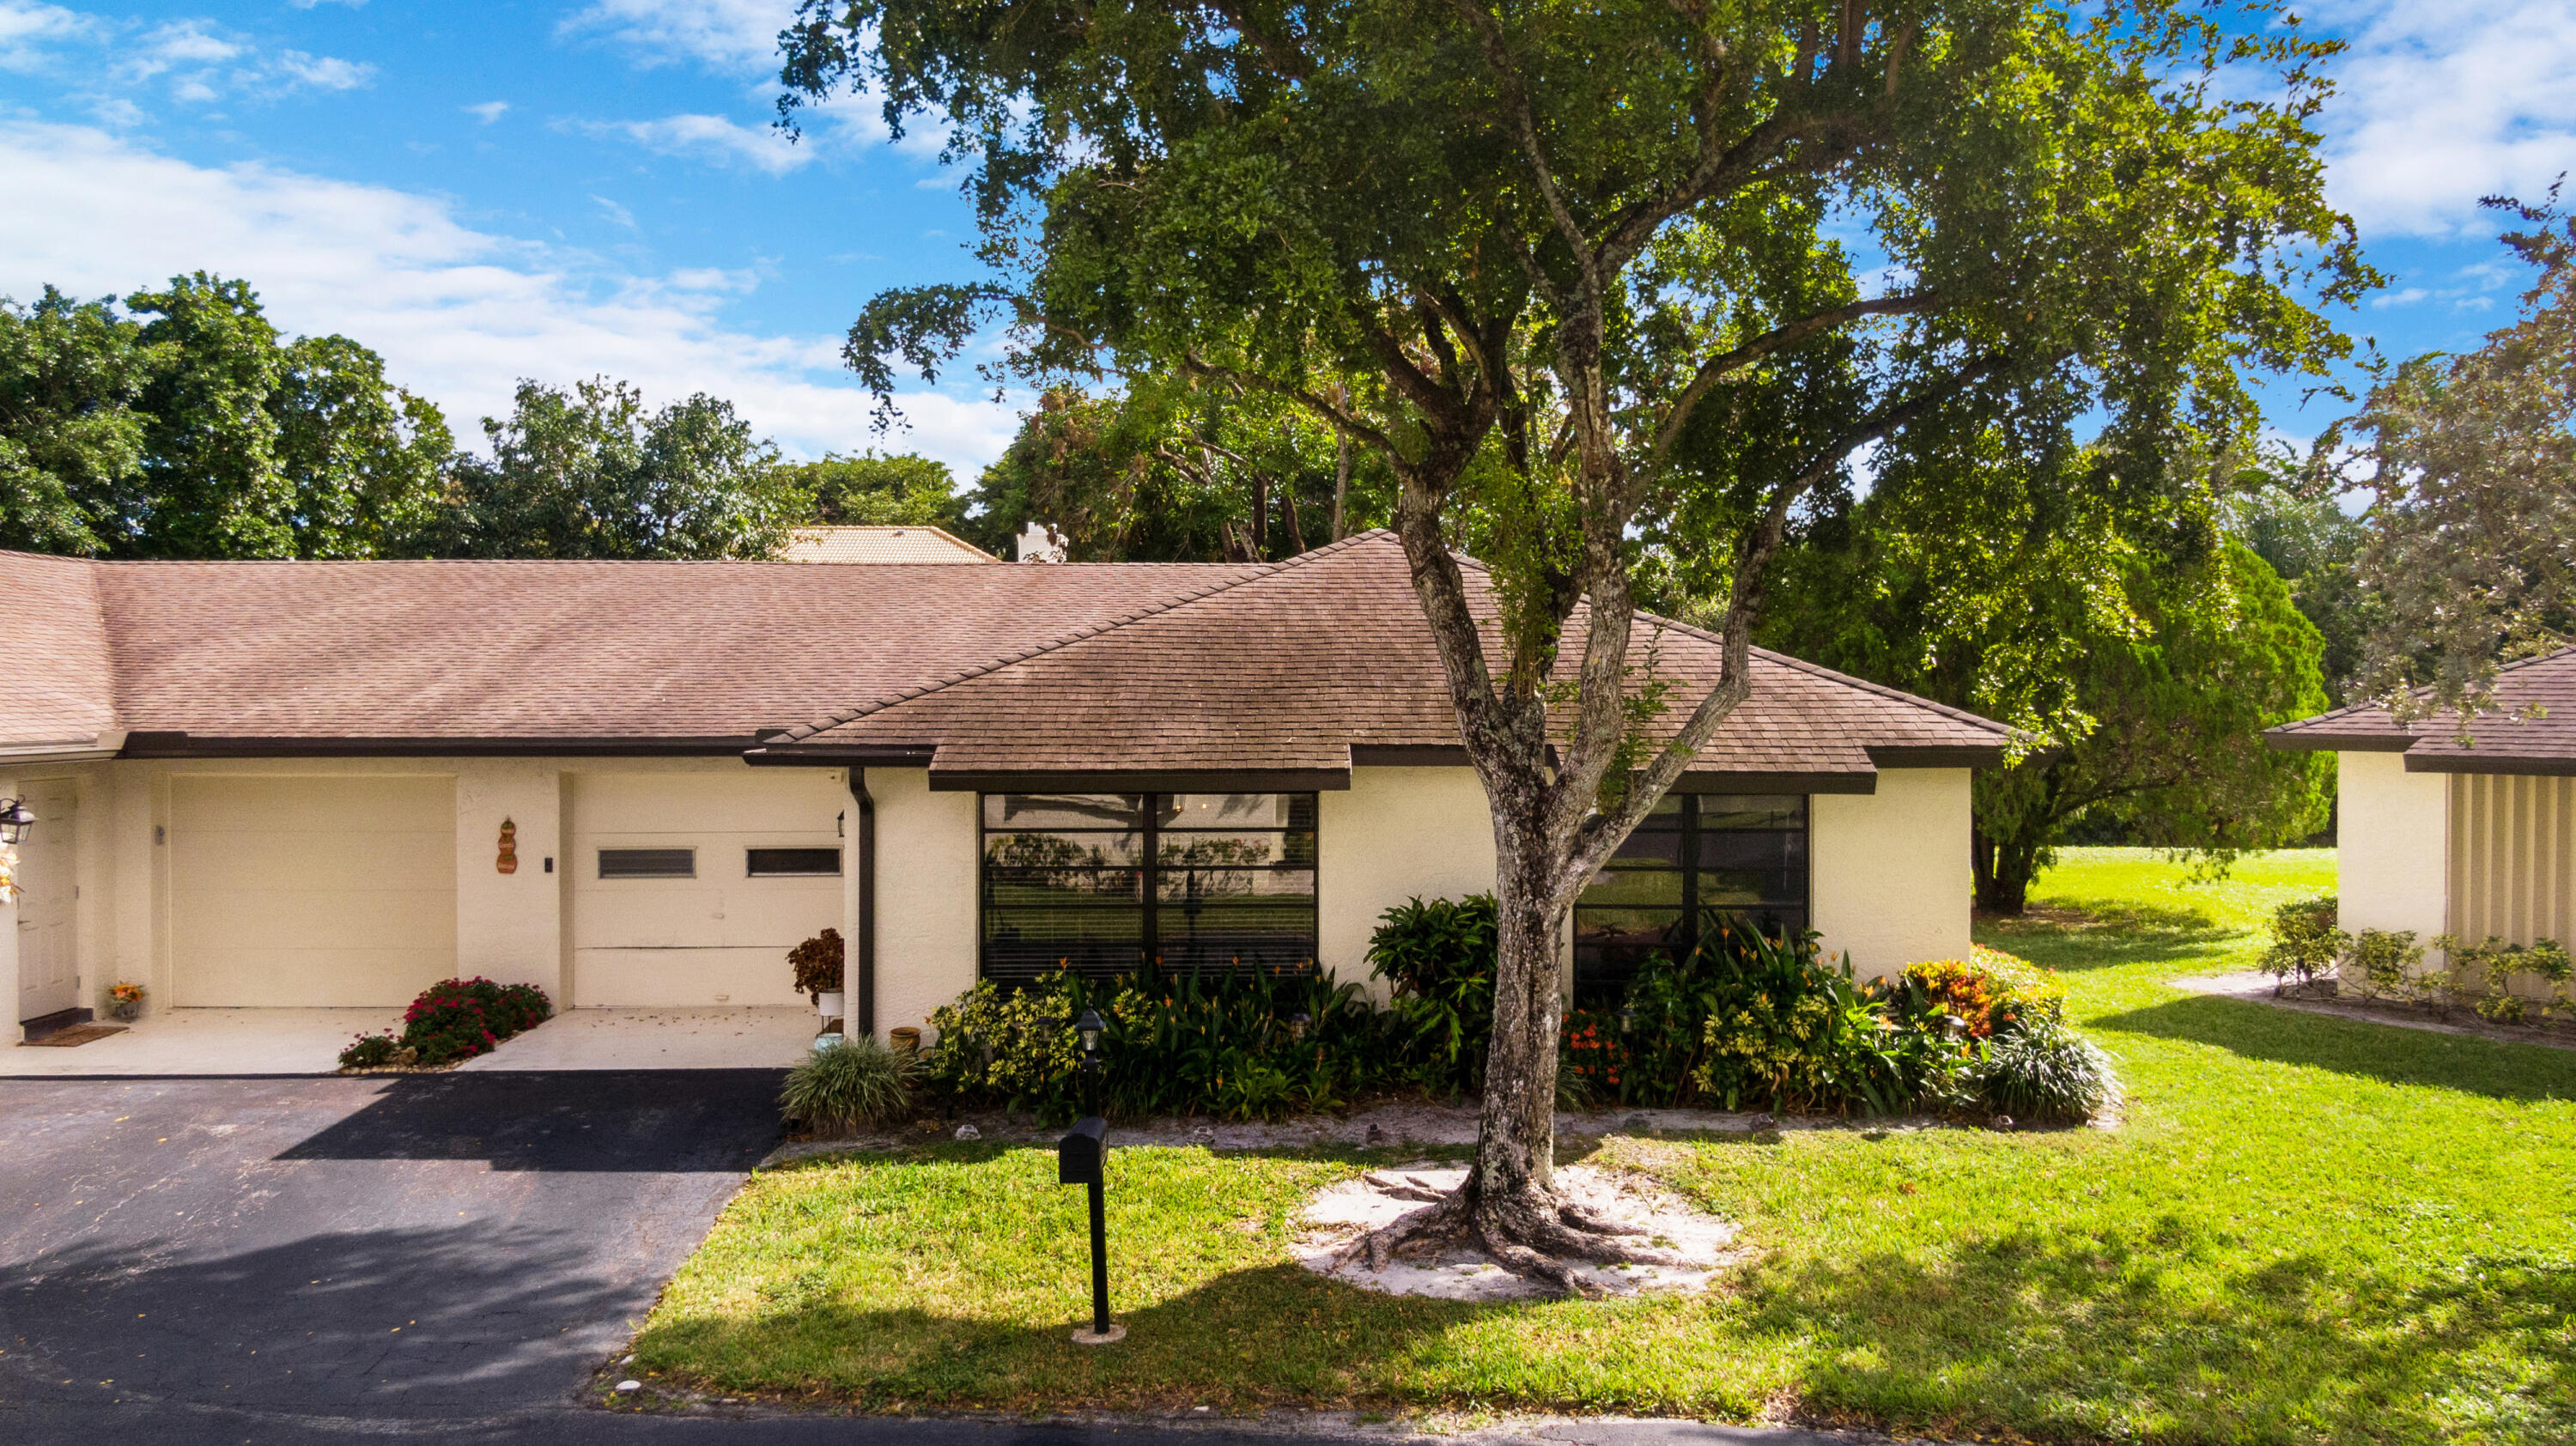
pixel 2388 1053
pixel 2062 1331
pixel 2104 933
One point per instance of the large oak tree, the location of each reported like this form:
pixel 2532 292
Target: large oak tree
pixel 1536 254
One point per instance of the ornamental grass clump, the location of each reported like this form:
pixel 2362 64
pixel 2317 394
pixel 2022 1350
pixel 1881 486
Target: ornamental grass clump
pixel 2042 1072
pixel 841 1086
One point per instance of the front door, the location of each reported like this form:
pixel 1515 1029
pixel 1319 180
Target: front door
pixel 48 953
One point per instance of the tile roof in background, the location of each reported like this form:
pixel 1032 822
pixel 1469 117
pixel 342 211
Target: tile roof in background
pixel 880 544
pixel 1165 668
pixel 2502 741
pixel 1294 667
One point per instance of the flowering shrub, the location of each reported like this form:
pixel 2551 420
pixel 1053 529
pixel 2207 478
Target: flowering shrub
pixel 1989 992
pixel 125 993
pixel 451 1021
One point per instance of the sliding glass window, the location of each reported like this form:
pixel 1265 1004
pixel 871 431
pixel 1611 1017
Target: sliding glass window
pixel 1695 858
pixel 1103 883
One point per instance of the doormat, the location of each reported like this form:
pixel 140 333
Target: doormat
pixel 77 1034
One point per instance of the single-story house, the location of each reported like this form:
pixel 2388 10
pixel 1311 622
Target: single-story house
pixel 2437 835
pixel 640 783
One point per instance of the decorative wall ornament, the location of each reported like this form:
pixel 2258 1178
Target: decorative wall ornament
pixel 508 862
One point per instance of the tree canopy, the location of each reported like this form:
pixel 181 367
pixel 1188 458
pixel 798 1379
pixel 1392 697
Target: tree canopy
pixel 2470 557
pixel 1538 256
pixel 902 489
pixel 590 472
pixel 183 425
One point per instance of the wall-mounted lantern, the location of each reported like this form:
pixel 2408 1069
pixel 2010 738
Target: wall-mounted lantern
pixel 14 821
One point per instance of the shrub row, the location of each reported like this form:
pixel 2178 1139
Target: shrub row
pixel 1743 1021
pixel 452 1021
pixel 2308 943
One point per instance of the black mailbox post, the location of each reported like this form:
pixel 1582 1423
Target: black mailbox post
pixel 1080 1158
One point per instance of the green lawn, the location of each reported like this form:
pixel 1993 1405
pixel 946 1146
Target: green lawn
pixel 2305 1229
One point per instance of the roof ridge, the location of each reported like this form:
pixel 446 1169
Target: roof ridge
pixel 803 731
pixel 1802 665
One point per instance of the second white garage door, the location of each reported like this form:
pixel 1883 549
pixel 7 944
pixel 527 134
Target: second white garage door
pixel 330 891
pixel 690 888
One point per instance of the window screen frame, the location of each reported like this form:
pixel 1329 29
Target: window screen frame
pixel 752 852
pixel 1150 870
pixel 1596 976
pixel 600 864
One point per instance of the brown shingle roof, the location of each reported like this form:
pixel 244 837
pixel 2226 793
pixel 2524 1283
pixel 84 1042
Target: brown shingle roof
pixel 2504 741
pixel 59 692
pixel 1096 668
pixel 1293 667
pixel 528 651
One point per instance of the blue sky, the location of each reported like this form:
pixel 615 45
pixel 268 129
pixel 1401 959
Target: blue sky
pixel 488 191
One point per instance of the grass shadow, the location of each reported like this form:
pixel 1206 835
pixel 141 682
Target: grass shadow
pixel 2043 1333
pixel 2102 934
pixel 2391 1054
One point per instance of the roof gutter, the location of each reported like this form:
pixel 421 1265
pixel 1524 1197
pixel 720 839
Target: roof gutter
pixel 84 750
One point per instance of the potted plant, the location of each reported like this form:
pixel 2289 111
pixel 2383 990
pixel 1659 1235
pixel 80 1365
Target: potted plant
pixel 817 963
pixel 125 1002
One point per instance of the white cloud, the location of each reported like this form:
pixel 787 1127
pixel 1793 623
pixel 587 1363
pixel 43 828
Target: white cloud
pixel 712 138
pixel 458 314
pixel 728 35
pixel 109 64
pixel 2408 297
pixel 617 213
pixel 2439 104
pixel 486 111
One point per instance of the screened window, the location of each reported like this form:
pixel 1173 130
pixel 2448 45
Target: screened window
pixel 791 863
pixel 648 863
pixel 1695 858
pixel 1105 882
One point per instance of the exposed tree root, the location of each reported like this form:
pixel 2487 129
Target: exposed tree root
pixel 1534 1236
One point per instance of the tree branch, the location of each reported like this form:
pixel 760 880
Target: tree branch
pixel 1489 31
pixel 1716 368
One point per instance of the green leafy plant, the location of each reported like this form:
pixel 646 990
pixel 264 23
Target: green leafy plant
pixel 2481 976
pixel 2305 941
pixel 1438 960
pixel 2042 1072
pixel 371 1051
pixel 1245 1044
pixel 1792 1031
pixel 2387 960
pixel 854 1082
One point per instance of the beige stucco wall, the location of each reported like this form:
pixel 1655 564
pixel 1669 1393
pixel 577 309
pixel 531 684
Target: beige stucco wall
pixel 926 888
pixel 1394 834
pixel 1888 872
pixel 2391 837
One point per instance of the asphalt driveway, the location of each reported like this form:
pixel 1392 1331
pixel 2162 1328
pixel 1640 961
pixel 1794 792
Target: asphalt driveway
pixel 240 1259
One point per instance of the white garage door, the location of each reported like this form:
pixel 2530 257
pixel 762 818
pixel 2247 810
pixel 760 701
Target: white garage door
pixel 313 892
pixel 690 888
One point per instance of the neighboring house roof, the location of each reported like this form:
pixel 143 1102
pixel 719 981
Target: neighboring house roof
pixel 879 544
pixel 1291 670
pixel 1307 666
pixel 2504 741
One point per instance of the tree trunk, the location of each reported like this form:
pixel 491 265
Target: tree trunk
pixel 1516 1132
pixel 1341 468
pixel 2004 868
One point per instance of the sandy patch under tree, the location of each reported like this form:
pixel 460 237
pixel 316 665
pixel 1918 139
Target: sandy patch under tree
pixel 1340 1214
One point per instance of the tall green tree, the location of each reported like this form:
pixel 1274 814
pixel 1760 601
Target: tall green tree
pixel 2471 461
pixel 71 440
pixel 590 472
pixel 893 490
pixel 1171 471
pixel 185 426
pixel 2316 547
pixel 2140 648
pixel 1517 248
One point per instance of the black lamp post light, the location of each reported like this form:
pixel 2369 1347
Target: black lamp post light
pixel 14 821
pixel 1081 1158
